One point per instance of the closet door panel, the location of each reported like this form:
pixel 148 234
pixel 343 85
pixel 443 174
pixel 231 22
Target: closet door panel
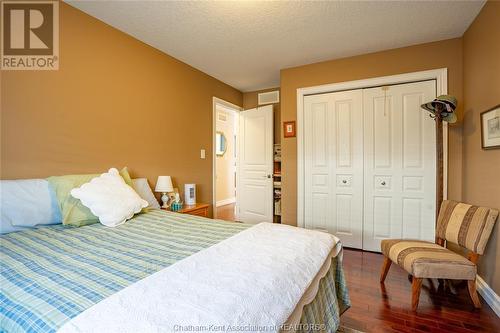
pixel 380 137
pixel 412 131
pixel 380 132
pixel 319 129
pixel 412 218
pixel 334 165
pixel 344 218
pixel 320 214
pixel 399 189
pixel 344 132
pixel 347 145
pixel 382 216
pixel 317 210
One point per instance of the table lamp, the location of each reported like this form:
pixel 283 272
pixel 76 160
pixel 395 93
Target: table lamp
pixel 164 185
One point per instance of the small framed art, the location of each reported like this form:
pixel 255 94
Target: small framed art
pixel 490 128
pixel 171 195
pixel 289 129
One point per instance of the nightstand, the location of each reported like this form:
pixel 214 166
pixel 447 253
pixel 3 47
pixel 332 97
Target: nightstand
pixel 198 209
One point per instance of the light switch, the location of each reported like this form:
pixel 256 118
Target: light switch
pixel 202 154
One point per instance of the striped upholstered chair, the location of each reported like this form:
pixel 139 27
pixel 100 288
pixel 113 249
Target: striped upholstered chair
pixel 466 225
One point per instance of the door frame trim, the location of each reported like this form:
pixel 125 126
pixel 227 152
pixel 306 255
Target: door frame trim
pixel 441 77
pixel 218 101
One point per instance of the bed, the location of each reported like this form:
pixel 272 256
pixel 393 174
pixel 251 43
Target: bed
pixel 52 274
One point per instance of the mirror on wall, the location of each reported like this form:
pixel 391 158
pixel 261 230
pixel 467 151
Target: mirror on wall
pixel 220 143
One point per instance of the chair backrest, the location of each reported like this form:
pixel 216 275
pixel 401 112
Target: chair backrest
pixel 466 225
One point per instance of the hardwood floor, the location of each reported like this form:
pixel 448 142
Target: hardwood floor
pixel 387 308
pixel 225 212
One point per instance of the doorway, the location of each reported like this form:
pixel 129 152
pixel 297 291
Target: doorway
pixel 242 162
pixel 225 138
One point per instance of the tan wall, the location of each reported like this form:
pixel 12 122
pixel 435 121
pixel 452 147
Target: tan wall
pixel 409 59
pixel 114 102
pixel 481 168
pixel 250 101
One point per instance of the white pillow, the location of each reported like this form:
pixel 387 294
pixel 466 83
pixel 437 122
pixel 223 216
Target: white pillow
pixel 109 198
pixel 27 203
pixel 142 188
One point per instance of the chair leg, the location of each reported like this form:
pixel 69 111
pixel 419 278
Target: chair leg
pixel 415 292
pixel 473 293
pixel 385 268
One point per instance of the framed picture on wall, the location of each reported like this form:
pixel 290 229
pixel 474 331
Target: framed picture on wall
pixel 289 129
pixel 490 128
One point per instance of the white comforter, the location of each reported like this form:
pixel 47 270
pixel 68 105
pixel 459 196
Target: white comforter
pixel 250 281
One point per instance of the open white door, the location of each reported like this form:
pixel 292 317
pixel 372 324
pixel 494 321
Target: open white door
pixel 254 186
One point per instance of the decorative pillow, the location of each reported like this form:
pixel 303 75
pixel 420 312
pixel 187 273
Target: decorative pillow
pixel 141 186
pixel 126 176
pixel 73 212
pixel 110 198
pixel 128 180
pixel 27 203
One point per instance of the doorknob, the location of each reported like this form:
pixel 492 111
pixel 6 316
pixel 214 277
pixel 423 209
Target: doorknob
pixel 268 176
pixel 383 183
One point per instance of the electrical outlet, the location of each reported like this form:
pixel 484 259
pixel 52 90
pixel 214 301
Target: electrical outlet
pixel 202 154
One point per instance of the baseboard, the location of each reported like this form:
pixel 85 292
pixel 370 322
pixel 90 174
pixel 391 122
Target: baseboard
pixel 225 202
pixel 488 294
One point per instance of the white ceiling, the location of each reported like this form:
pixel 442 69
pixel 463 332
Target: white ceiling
pixel 246 43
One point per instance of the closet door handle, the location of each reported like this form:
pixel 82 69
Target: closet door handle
pixel 383 183
pixel 344 181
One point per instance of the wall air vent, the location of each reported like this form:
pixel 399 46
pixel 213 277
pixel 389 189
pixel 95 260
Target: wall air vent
pixel 222 116
pixel 270 97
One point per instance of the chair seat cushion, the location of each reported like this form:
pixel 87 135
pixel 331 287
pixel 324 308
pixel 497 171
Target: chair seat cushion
pixel 428 260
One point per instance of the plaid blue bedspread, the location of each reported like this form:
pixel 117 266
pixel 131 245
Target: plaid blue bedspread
pixel 51 274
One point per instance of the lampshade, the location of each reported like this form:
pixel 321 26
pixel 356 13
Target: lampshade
pixel 164 184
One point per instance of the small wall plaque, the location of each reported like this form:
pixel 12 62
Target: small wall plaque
pixel 289 129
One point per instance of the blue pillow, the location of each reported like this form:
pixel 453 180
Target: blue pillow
pixel 27 203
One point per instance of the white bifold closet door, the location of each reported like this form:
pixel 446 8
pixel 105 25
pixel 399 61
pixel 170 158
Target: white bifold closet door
pixel 333 142
pixel 369 164
pixel 399 164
